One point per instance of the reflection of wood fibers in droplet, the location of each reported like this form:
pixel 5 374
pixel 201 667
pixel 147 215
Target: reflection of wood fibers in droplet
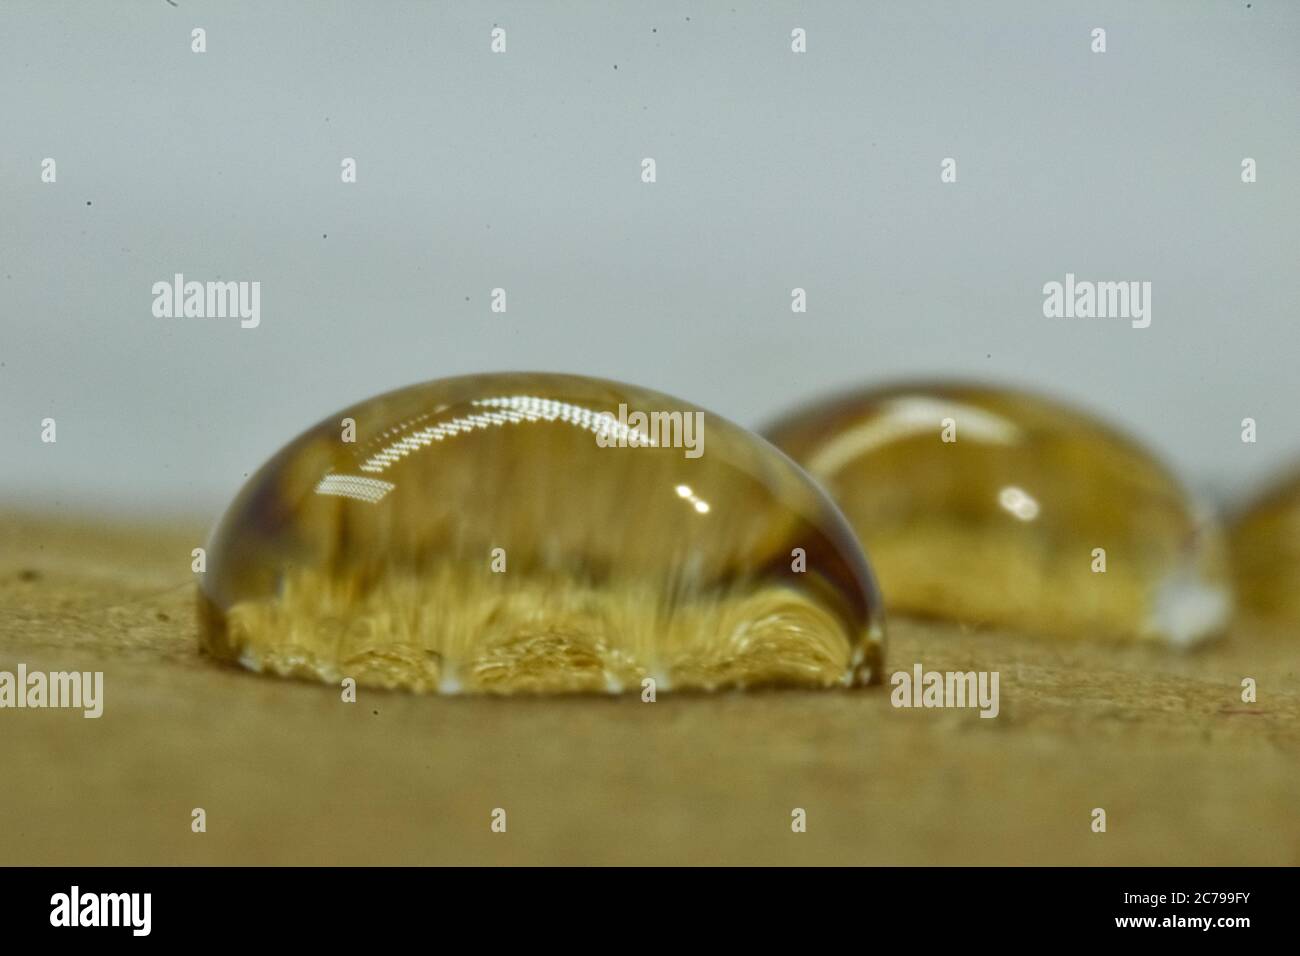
pixel 379 559
pixel 992 506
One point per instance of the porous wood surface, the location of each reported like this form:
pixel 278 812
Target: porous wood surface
pixel 290 774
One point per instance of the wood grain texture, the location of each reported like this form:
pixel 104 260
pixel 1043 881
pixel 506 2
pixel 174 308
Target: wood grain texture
pixel 288 773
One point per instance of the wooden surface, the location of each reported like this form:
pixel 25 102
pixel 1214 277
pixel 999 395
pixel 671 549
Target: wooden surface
pixel 288 773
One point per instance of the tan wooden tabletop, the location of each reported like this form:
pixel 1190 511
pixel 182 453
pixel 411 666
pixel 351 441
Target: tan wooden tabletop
pixel 287 772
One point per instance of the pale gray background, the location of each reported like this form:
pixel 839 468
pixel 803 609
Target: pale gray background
pixel 522 170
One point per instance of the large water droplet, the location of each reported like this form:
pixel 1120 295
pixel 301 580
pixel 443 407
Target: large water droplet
pixel 531 532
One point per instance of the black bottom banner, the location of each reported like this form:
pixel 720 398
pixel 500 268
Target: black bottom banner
pixel 304 905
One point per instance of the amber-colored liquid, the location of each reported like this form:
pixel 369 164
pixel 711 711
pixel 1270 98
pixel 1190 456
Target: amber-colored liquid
pixel 1012 520
pixel 1265 542
pixel 477 537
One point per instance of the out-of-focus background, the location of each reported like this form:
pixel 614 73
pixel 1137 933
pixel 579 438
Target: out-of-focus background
pixel 522 170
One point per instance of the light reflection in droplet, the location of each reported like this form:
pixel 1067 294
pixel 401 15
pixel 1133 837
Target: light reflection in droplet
pixel 1018 503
